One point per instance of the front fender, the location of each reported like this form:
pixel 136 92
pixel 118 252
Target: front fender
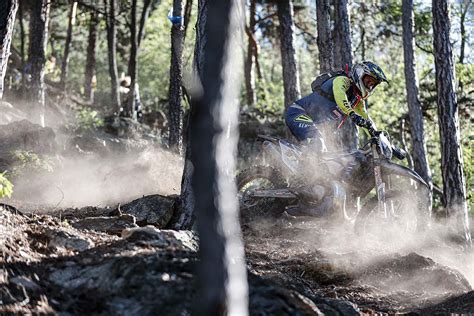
pixel 394 168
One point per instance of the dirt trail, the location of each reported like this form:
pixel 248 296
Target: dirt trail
pixel 109 265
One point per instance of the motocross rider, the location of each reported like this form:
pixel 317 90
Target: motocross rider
pixel 337 98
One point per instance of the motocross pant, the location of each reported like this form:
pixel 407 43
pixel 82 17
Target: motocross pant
pixel 303 128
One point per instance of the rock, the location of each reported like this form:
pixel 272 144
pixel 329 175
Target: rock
pixel 455 305
pixel 111 225
pixel 416 274
pixel 268 298
pixel 24 135
pixel 155 210
pixel 64 240
pixel 184 239
pixel 26 282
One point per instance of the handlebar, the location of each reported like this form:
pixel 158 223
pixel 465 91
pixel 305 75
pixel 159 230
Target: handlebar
pixel 397 152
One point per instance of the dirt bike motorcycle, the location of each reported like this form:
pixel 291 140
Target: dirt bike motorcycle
pixel 378 189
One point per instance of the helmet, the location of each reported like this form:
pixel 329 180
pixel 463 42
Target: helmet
pixel 366 68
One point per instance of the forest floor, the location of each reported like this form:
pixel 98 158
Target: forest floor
pixel 124 259
pixel 90 261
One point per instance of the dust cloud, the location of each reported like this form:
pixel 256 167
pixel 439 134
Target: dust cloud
pixel 102 181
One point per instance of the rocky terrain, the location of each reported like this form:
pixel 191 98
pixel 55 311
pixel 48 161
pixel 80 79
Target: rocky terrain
pixel 125 261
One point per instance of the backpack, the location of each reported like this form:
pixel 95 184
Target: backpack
pixel 322 78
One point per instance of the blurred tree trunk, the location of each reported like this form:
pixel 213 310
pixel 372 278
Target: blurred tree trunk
pixel 464 9
pixel 420 160
pixel 176 76
pixel 67 44
pixel 39 20
pixel 291 81
pixel 325 49
pixel 222 280
pixel 8 10
pixel 349 139
pixel 90 79
pixel 454 186
pixel 248 69
pixel 112 52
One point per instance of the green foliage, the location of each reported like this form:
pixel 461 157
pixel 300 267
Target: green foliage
pixel 88 119
pixel 6 187
pixel 28 161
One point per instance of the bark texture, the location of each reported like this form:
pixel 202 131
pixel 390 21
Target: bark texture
pixel 129 108
pixel 112 53
pixel 176 76
pixel 454 186
pixel 90 81
pixel 8 10
pixel 249 61
pixel 39 20
pixel 343 56
pixel 291 80
pixel 420 160
pixel 323 18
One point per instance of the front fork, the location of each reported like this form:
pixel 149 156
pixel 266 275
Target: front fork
pixel 379 183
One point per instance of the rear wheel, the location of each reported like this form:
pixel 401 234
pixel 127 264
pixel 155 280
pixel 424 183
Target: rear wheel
pixel 260 178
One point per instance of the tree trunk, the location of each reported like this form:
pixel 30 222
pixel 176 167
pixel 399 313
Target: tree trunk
pixel 414 106
pixel 186 215
pixel 323 18
pixel 112 52
pixel 187 15
pixel 21 11
pixel 291 81
pixel 464 9
pixel 129 108
pixel 222 281
pixel 8 10
pixel 349 139
pixel 67 44
pixel 342 35
pixel 90 80
pixel 176 76
pixel 454 186
pixel 248 67
pixel 39 20
pixel 144 17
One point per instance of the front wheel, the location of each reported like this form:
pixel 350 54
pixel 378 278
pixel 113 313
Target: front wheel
pixel 407 211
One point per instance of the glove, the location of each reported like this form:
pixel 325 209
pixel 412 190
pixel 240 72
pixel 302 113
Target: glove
pixel 362 122
pixel 373 132
pixel 357 119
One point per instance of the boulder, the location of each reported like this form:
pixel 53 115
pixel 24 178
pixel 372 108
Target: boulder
pixel 416 274
pixel 24 135
pixel 184 240
pixel 155 210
